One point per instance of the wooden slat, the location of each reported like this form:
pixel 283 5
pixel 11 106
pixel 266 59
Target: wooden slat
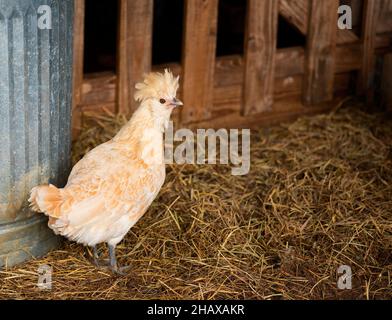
pixel 295 12
pixel 385 19
pixel 227 87
pixel 346 36
pixel 134 50
pixel 368 37
pixel 78 52
pixel 320 52
pixel 294 110
pixel 100 88
pixel 226 115
pixel 199 58
pixel 260 52
pixel 383 43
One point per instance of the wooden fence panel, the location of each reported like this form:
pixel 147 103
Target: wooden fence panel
pixel 235 89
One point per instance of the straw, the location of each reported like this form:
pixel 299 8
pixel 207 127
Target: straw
pixel 318 196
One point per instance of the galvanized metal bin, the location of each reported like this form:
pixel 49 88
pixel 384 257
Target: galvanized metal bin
pixel 35 112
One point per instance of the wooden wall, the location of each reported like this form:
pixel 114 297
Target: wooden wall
pixel 263 86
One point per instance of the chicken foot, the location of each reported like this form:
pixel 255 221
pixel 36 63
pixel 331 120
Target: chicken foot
pixel 110 263
pixel 97 260
pixel 113 262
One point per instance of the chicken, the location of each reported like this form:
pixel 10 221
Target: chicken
pixel 111 188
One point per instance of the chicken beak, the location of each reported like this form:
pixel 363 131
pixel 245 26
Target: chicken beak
pixel 176 103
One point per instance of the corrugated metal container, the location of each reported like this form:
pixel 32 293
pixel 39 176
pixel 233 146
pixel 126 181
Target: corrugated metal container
pixel 35 112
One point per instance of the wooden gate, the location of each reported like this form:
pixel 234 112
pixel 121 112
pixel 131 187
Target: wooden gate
pixel 263 85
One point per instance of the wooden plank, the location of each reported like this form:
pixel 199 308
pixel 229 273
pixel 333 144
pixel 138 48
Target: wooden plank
pixel 385 19
pixel 227 95
pixel 383 43
pixel 78 52
pixel 290 108
pixel 320 52
pixel 368 38
pixel 134 50
pixel 296 13
pixel 260 52
pixel 199 58
pixel 100 88
pixel 346 36
pixel 285 109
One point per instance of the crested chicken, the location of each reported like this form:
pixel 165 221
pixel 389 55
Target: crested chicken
pixel 113 185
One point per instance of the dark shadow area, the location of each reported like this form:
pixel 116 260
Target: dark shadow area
pixel 100 36
pixel 289 36
pixel 231 25
pixel 167 31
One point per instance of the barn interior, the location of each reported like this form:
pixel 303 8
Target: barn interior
pixel 319 191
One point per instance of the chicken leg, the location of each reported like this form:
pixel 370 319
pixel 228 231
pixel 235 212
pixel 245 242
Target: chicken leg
pixel 113 261
pixel 97 261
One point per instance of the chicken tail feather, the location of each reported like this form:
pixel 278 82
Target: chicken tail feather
pixel 46 199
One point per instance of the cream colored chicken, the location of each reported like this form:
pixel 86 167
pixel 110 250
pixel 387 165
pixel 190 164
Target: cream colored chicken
pixel 110 189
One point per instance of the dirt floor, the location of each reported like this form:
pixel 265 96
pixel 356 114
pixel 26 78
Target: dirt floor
pixel 318 196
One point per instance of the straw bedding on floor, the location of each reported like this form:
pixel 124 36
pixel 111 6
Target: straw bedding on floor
pixel 318 195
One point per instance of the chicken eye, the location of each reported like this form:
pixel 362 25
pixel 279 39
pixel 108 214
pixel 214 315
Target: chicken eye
pixel 162 101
